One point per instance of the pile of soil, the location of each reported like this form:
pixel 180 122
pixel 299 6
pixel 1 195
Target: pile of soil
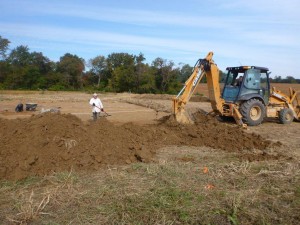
pixel 47 143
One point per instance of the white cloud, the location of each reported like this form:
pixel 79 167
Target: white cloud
pixel 264 33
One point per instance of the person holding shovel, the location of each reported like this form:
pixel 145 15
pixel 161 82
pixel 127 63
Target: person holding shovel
pixel 97 106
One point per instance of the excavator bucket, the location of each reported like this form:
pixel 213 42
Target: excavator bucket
pixel 183 117
pixel 180 114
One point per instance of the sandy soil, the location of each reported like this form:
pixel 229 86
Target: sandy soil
pixel 34 143
pixel 76 104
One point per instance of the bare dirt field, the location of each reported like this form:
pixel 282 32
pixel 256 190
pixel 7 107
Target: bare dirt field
pixel 35 143
pixel 139 129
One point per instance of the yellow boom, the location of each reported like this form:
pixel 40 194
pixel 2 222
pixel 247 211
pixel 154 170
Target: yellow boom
pixel 208 68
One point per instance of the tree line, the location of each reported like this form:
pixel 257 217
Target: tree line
pixel 287 79
pixel 118 72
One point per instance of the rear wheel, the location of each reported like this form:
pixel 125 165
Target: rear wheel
pixel 253 112
pixel 286 116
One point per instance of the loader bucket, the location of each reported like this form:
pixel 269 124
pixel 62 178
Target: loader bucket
pixel 295 102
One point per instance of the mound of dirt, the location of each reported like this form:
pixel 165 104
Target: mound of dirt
pixel 49 142
pixel 208 131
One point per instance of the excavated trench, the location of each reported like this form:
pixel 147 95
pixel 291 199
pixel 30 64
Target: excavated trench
pixel 51 142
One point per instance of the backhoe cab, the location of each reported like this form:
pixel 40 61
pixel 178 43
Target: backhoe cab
pixel 246 95
pixel 248 87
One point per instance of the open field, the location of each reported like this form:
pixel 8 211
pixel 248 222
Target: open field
pixel 202 88
pixel 138 166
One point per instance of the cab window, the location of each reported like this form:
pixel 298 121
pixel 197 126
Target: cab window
pixel 252 80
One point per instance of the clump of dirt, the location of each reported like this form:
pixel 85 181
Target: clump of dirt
pixel 49 142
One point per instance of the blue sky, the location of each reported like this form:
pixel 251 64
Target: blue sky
pixel 239 32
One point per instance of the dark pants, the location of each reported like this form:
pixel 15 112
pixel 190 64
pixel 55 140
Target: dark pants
pixel 95 115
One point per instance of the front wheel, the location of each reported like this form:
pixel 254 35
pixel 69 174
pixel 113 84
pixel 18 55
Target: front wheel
pixel 253 112
pixel 286 116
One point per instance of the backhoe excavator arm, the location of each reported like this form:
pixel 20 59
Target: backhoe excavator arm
pixel 208 68
pixel 202 67
pixel 188 89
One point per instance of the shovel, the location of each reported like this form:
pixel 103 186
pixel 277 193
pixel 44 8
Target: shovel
pixel 102 110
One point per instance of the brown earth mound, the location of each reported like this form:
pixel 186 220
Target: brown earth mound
pixel 48 142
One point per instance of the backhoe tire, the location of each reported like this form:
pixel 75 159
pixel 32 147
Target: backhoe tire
pixel 286 116
pixel 253 112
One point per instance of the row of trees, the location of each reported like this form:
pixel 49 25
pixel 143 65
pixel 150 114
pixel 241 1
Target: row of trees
pixel 22 69
pixel 119 72
pixel 288 79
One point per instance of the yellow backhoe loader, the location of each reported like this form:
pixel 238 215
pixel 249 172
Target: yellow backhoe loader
pixel 246 95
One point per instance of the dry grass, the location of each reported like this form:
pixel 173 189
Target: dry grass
pixel 29 209
pixel 185 186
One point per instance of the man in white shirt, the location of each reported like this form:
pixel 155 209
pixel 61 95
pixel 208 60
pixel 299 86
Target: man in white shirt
pixel 97 106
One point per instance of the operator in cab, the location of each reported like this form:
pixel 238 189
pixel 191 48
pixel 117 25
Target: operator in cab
pixel 238 81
